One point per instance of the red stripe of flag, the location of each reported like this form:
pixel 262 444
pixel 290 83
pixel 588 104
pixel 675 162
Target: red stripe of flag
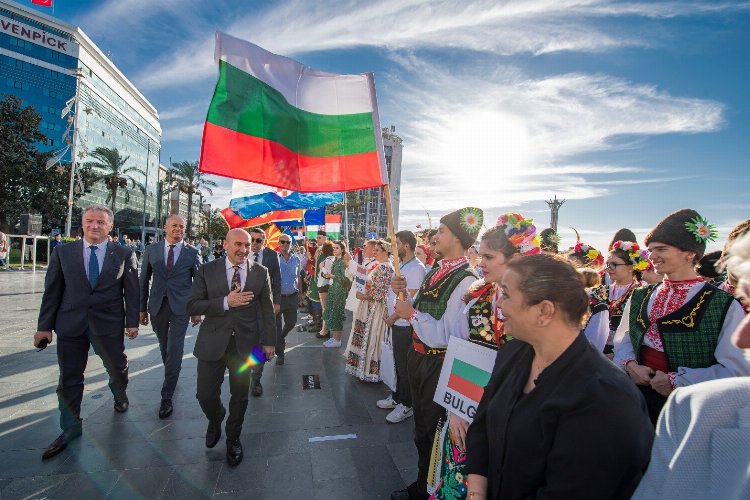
pixel 468 389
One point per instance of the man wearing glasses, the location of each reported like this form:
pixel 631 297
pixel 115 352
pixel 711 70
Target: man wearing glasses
pixel 270 260
pixel 289 265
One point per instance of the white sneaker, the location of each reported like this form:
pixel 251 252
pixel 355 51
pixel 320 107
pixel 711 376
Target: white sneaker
pixel 332 343
pixel 387 403
pixel 399 414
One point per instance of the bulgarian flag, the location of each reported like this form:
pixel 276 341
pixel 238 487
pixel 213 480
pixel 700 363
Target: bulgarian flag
pixel 468 380
pixel 277 122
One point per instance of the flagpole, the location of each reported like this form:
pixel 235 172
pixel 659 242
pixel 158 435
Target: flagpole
pixel 391 228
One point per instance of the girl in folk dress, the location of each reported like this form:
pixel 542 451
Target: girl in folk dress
pixel 368 329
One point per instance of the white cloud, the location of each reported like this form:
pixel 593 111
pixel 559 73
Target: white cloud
pixel 183 132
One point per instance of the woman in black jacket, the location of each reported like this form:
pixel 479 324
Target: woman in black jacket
pixel 557 419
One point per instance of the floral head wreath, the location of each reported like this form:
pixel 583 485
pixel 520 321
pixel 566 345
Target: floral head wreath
pixel 638 257
pixel 702 229
pixel 521 233
pixel 590 254
pixel 649 266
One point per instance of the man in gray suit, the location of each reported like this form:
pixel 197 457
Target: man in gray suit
pixel 172 264
pixel 270 260
pixel 83 303
pixel 234 295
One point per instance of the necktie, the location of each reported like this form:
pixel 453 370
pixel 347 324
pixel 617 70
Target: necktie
pixel 170 259
pixel 255 258
pixel 236 282
pixel 93 266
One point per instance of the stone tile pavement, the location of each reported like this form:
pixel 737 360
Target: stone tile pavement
pixel 136 455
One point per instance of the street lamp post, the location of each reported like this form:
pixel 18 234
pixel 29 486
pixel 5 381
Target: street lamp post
pixel 145 190
pixel 71 193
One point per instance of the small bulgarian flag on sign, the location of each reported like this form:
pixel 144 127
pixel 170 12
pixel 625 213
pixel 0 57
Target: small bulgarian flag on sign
pixel 468 380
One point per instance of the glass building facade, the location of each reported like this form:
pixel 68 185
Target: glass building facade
pixel 46 63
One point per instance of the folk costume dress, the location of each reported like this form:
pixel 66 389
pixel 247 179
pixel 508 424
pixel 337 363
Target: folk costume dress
pixel 368 329
pixel 596 329
pixel 613 297
pixel 682 328
pixel 335 313
pixel 482 324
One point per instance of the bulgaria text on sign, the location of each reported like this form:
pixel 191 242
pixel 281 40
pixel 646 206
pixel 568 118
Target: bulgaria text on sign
pixel 466 371
pixel 38 36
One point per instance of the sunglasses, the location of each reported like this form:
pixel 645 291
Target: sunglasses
pixel 257 240
pixel 284 242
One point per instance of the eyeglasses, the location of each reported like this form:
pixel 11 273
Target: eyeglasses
pixel 612 266
pixel 257 240
pixel 284 242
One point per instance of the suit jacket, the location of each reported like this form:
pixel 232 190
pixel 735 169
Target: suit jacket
pixel 252 325
pixel 702 443
pixel 175 285
pixel 69 304
pixel 270 261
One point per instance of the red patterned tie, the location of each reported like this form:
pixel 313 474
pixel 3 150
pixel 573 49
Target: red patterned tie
pixel 236 282
pixel 170 259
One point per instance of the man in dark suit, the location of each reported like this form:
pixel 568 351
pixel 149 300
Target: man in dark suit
pixel 83 303
pixel 234 295
pixel 172 264
pixel 270 260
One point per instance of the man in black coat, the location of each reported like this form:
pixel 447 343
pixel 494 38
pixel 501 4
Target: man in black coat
pixel 169 267
pixel 234 295
pixel 270 260
pixel 84 289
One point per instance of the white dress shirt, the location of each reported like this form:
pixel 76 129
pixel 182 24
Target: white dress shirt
pixel 101 252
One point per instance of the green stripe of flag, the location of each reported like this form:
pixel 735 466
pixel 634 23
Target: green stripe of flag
pixel 471 373
pixel 249 106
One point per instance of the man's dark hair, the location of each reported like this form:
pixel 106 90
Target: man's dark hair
pixel 407 238
pixel 258 230
pixel 322 233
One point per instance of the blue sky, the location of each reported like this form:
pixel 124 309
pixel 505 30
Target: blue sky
pixel 629 110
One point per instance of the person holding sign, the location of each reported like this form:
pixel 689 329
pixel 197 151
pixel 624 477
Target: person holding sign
pixel 438 303
pixel 554 397
pixel 481 323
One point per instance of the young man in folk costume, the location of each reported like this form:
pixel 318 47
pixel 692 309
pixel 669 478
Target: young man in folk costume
pixel 437 305
pixel 481 322
pixel 677 333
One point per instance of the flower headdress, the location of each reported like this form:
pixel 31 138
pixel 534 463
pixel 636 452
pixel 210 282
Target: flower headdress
pixel 638 257
pixel 702 229
pixel 521 233
pixel 589 254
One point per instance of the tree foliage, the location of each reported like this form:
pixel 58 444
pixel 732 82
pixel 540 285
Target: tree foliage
pixel 110 168
pixel 217 226
pixel 26 184
pixel 190 181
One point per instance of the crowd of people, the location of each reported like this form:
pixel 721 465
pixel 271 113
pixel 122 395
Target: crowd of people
pixel 605 361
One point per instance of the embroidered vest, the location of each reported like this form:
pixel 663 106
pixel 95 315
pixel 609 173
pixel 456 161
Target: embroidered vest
pixel 434 299
pixel 689 334
pixel 597 303
pixel 484 328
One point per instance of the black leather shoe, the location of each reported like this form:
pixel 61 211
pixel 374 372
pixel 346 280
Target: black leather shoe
pixel 411 492
pixel 213 433
pixel 326 336
pixel 121 403
pixel 234 452
pixel 255 388
pixel 60 444
pixel 279 360
pixel 165 409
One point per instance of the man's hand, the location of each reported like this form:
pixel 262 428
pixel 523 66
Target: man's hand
pixel 269 351
pixel 237 298
pixel 398 284
pixel 131 332
pixel 639 374
pixel 38 336
pixel 195 320
pixel 660 383
pixel 389 320
pixel 404 309
pixel 276 308
pixel 362 296
pixel 144 318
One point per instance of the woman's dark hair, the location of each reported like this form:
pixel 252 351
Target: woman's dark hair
pixel 707 265
pixel 497 240
pixel 549 277
pixel 625 256
pixel 623 234
pixel 546 243
pixel 327 248
pixel 342 244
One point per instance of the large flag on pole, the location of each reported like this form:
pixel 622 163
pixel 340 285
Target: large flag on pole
pixel 277 122
pixel 250 200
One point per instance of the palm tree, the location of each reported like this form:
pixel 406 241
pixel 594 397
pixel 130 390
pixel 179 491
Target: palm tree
pixel 190 180
pixel 110 167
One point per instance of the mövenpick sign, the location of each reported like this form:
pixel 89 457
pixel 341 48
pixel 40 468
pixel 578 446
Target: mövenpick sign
pixel 38 36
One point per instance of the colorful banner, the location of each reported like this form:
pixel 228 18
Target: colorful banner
pixel 466 371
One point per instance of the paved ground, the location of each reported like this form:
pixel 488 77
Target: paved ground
pixel 136 455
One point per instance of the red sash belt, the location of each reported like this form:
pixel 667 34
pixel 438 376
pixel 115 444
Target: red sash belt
pixel 656 360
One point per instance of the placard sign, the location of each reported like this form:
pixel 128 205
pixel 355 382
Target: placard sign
pixel 38 36
pixel 466 371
